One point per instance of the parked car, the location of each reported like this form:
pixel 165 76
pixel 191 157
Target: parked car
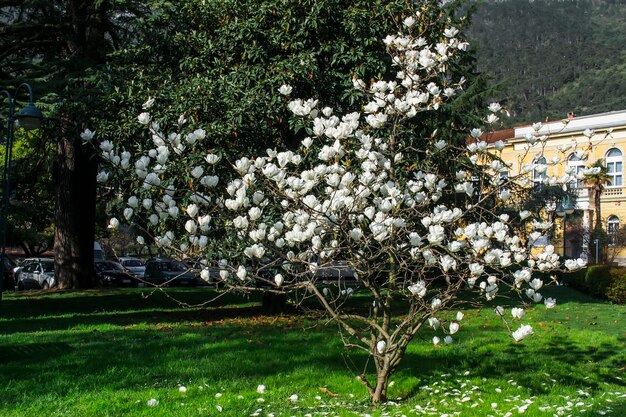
pixel 134 265
pixel 24 263
pixel 8 280
pixel 162 271
pixel 112 273
pixel 38 273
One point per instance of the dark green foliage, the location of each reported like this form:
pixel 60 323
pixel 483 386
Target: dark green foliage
pixel 598 278
pixel 602 281
pixel 616 291
pixel 575 279
pixel 220 63
pixel 553 57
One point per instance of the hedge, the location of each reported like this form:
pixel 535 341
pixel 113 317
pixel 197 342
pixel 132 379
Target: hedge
pixel 603 281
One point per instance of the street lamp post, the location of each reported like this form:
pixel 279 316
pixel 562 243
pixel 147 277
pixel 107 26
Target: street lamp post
pixel 563 210
pixel 29 118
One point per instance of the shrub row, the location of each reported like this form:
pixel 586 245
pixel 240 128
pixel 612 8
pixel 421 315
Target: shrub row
pixel 601 281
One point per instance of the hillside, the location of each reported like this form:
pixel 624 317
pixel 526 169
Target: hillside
pixel 551 57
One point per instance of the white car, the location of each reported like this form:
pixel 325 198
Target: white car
pixel 37 274
pixel 134 265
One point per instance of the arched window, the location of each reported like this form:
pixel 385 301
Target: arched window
pixel 614 167
pixel 539 173
pixel 612 226
pixel 578 165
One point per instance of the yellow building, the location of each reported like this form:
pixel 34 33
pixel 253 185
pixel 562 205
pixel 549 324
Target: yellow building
pixel 570 146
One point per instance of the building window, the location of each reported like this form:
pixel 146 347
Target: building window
pixel 614 167
pixel 612 226
pixel 539 173
pixel 578 166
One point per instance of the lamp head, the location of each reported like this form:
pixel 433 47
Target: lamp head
pixel 30 117
pixel 566 208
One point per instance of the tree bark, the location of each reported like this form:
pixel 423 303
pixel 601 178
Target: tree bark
pixel 598 223
pixel 380 390
pixel 75 214
pixel 76 165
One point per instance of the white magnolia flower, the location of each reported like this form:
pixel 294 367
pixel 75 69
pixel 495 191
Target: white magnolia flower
pixel 459 316
pixel 114 223
pixel 434 322
pixel 418 289
pixel 197 172
pixel 278 279
pixel 454 327
pixel 260 389
pixel 381 346
pixel 549 302
pixel 356 234
pixel 102 176
pixel 212 158
pixel 293 398
pixel 87 135
pixel 517 312
pixel 153 402
pixel 522 332
pixel 205 274
pixel 182 389
pixel 144 118
pixel 148 103
pixel 409 21
pixel 285 89
pixel 436 341
pixel 448 340
pixel 147 203
pixel 536 284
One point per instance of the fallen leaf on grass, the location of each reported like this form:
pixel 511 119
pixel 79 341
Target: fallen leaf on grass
pixel 327 392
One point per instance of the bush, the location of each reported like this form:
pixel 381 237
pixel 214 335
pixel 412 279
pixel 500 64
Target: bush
pixel 616 292
pixel 603 281
pixel 598 279
pixel 575 279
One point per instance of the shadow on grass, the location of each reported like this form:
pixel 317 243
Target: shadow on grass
pixel 75 321
pixel 33 352
pixel 139 357
pixel 204 344
pixel 534 365
pixel 42 303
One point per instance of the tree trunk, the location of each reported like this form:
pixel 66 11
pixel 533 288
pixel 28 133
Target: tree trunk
pixel 75 214
pixel 76 164
pixel 379 394
pixel 274 303
pixel 598 222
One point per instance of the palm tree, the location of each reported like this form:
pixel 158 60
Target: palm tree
pixel 596 180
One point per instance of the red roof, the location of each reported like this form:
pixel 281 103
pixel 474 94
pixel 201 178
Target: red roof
pixel 503 135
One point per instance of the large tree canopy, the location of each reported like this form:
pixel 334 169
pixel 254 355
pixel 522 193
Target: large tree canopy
pixel 220 63
pixel 55 45
pixel 399 190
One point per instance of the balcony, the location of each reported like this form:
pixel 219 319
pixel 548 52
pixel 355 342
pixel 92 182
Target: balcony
pixel 584 194
pixel 613 192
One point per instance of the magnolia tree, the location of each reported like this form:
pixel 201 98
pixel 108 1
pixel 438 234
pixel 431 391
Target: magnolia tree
pixel 417 219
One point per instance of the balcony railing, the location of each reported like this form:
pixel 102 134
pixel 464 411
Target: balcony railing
pixel 609 192
pixel 613 192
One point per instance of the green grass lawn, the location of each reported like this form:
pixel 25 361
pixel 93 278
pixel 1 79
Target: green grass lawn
pixel 107 353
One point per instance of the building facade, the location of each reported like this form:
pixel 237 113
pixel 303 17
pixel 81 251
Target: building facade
pixel 571 146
